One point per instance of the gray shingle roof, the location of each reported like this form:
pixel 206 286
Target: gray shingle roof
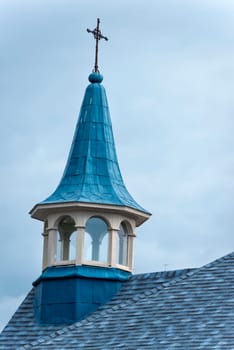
pixel 187 309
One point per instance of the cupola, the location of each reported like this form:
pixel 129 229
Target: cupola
pixel 89 220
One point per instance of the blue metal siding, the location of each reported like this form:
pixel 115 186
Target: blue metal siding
pixel 68 294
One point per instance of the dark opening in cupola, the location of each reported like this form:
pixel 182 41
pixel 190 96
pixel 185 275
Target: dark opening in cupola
pixel 66 239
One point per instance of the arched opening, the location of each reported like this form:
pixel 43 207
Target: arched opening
pixel 66 239
pixel 96 239
pixel 122 245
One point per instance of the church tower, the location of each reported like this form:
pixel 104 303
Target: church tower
pixel 89 220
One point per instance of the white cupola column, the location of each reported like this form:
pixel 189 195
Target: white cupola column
pixel 45 249
pixel 52 245
pixel 131 237
pixel 112 246
pixel 80 244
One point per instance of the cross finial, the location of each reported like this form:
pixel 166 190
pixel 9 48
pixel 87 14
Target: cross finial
pixel 97 36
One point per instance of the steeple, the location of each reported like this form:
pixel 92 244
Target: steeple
pixel 92 173
pixel 89 220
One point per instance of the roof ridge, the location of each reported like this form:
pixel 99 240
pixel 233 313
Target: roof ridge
pixel 143 275
pixel 217 261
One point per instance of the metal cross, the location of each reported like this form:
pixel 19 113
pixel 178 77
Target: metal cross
pixel 97 36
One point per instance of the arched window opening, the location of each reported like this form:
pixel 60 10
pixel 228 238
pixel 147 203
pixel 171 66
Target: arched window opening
pixel 66 239
pixel 96 239
pixel 122 245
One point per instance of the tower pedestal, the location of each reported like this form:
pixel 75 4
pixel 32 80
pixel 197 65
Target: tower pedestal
pixel 66 295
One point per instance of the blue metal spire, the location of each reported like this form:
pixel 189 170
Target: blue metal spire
pixel 92 173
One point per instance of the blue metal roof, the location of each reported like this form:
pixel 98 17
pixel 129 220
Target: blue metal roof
pixel 92 173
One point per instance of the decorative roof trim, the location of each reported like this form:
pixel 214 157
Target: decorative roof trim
pixel 39 210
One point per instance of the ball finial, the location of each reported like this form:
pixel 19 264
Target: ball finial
pixel 95 78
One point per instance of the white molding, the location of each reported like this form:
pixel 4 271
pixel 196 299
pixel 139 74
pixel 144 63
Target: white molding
pixel 122 267
pixel 64 262
pixel 95 263
pixel 41 211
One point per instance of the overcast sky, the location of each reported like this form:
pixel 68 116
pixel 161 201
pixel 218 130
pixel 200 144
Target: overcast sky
pixel 169 73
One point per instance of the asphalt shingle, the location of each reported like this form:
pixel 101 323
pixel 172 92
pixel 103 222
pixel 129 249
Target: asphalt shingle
pixel 186 309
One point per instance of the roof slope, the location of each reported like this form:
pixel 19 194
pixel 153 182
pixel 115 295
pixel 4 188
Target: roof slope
pixel 22 328
pixel 191 313
pixel 191 310
pixel 92 173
